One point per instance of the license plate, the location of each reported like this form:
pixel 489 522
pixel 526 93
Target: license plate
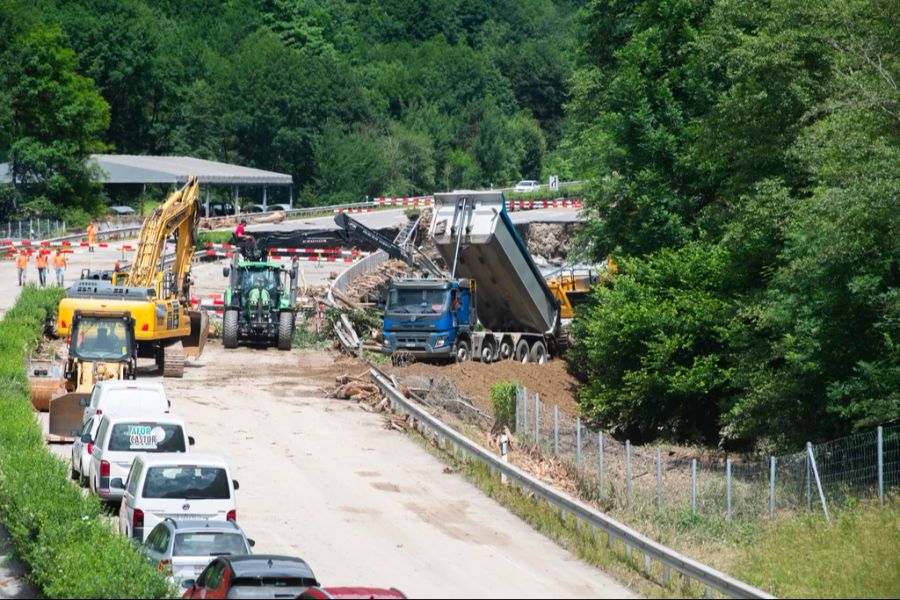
pixel 410 344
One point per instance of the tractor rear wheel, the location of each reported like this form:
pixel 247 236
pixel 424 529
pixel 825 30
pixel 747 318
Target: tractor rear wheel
pixel 230 329
pixel 285 330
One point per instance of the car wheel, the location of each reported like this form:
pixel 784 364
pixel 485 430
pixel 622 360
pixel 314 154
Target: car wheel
pixel 73 474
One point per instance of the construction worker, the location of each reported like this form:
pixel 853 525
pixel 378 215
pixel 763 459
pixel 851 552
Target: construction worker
pixel 91 235
pixel 22 266
pixel 41 262
pixel 59 263
pixel 245 241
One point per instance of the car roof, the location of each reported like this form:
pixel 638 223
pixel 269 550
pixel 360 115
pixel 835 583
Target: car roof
pixel 182 458
pixel 256 565
pixel 195 525
pixel 131 383
pixel 164 418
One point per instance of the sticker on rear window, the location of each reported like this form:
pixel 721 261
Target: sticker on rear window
pixel 144 437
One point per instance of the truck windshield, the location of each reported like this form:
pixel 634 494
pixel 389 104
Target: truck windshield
pixel 417 301
pixel 101 339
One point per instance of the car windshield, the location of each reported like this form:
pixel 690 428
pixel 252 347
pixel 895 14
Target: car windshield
pixel 417 301
pixel 187 482
pixel 209 543
pixel 101 339
pixel 147 437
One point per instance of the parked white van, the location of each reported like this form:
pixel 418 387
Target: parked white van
pixel 175 486
pixel 120 439
pixel 126 397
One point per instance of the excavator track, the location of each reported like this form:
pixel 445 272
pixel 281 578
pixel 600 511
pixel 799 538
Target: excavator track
pixel 173 360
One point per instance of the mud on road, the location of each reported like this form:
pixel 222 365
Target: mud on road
pixel 323 479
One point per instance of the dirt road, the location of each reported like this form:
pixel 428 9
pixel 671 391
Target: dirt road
pixel 323 479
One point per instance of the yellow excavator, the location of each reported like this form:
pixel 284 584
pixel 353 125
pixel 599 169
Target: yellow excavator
pixel 154 291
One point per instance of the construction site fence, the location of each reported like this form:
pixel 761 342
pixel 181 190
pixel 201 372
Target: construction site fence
pixel 821 477
pixel 659 561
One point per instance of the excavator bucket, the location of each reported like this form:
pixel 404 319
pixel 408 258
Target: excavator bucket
pixel 46 380
pixel 66 413
pixel 194 343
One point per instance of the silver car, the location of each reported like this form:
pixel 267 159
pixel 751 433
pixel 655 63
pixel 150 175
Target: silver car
pixel 182 549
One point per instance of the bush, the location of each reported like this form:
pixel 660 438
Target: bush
pixel 58 532
pixel 503 399
pixel 213 237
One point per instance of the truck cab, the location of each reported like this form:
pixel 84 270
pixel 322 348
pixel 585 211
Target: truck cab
pixel 429 318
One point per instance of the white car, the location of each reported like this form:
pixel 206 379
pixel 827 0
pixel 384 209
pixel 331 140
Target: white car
pixel 120 439
pixel 527 185
pixel 126 397
pixel 175 486
pixel 81 450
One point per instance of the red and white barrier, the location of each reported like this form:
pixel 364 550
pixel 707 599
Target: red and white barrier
pixel 329 259
pixel 352 210
pixel 411 201
pixel 539 204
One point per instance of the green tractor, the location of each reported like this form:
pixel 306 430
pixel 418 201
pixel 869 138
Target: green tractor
pixel 259 303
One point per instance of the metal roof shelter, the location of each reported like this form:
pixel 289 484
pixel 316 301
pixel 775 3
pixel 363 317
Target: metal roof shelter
pixel 175 170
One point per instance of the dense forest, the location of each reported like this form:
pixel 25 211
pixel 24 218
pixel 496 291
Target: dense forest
pixel 352 98
pixel 744 160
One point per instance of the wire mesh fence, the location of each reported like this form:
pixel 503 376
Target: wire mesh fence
pixel 623 476
pixel 32 229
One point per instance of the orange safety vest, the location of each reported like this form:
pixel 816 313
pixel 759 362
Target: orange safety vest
pixel 22 261
pixel 59 261
pixel 91 232
pixel 41 261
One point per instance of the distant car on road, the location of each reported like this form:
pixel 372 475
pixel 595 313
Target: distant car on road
pixel 255 576
pixel 180 550
pixel 183 487
pixel 353 593
pixel 527 185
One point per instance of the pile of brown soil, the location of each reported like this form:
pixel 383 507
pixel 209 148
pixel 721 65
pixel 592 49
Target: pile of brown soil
pixel 474 380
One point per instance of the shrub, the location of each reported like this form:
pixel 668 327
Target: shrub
pixel 60 534
pixel 503 399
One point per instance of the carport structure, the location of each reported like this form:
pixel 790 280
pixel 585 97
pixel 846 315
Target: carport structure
pixel 175 170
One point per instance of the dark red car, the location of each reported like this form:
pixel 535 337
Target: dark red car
pixel 353 593
pixel 252 576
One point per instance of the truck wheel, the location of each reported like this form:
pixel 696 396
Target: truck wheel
pixel 230 329
pixel 538 353
pixel 506 349
pixel 285 330
pixel 488 355
pixel 463 352
pixel 521 353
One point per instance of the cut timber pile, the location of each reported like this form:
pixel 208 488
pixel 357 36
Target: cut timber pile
pixel 368 394
pixel 369 282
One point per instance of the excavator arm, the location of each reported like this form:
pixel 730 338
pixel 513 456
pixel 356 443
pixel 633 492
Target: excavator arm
pixel 177 216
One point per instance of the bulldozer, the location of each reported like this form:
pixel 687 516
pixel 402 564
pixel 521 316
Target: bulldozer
pixel 101 347
pixel 155 291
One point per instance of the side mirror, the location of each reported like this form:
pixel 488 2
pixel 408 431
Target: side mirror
pixel 226 271
pixel 251 542
pixel 187 583
pixel 236 484
pixel 86 439
pixel 83 402
pixel 191 440
pixel 117 483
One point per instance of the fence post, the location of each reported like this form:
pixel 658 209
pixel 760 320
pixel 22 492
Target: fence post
pixel 728 489
pixel 525 409
pixel 812 461
pixel 881 465
pixel 659 478
pixel 772 488
pixel 537 421
pixel 808 483
pixel 693 486
pixel 518 389
pixel 578 441
pixel 556 429
pixel 628 471
pixel 600 445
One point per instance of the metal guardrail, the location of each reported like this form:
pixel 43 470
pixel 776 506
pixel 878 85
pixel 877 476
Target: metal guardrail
pixel 100 234
pixel 293 212
pixel 668 558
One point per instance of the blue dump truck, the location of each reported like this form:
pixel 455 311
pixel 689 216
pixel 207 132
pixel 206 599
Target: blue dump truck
pixel 495 305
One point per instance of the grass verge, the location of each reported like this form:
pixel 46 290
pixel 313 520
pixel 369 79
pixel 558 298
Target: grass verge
pixel 55 530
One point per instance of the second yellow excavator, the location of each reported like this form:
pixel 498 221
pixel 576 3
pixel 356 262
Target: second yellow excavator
pixel 153 290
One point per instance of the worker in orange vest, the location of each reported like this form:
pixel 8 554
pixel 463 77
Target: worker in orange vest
pixel 22 266
pixel 92 235
pixel 41 263
pixel 59 263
